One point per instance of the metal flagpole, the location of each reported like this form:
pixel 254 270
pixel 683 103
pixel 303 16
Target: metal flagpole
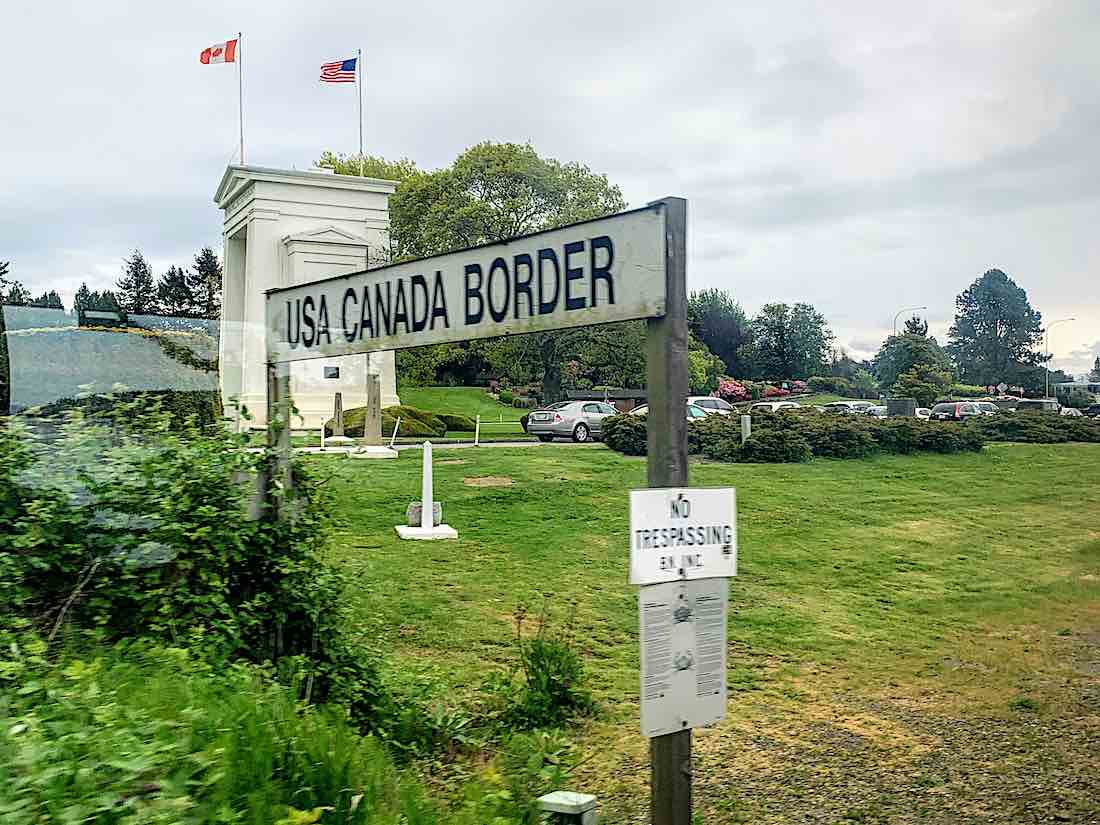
pixel 240 92
pixel 359 83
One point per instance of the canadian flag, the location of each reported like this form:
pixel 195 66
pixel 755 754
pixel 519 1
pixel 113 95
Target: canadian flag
pixel 220 53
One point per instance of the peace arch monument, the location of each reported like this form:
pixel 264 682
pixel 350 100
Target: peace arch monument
pixel 282 228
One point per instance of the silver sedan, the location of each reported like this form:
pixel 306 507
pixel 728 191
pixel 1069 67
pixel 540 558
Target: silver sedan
pixel 579 420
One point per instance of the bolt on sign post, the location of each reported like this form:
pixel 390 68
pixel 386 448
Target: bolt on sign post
pixel 622 267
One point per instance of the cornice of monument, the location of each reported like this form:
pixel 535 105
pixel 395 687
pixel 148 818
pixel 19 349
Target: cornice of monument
pixel 236 177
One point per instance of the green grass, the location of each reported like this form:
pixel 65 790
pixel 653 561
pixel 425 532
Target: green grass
pixel 853 562
pixel 471 401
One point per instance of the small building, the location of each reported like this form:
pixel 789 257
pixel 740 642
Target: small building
pixel 622 400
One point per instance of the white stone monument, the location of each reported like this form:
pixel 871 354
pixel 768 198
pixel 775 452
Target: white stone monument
pixel 427 529
pixel 284 227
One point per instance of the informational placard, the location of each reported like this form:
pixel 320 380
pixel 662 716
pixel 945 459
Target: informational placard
pixel 683 633
pixel 595 272
pixel 679 533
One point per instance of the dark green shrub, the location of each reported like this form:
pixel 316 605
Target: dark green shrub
pixel 767 446
pixel 1033 428
pixel 717 437
pixel 140 526
pixel 831 384
pixel 457 423
pixel 204 406
pixel 900 435
pixel 947 437
pixel 506 396
pixel 831 436
pixel 625 434
pixel 968 391
pixel 414 423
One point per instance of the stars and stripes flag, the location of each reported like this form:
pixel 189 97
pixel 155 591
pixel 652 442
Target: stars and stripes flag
pixel 339 71
pixel 220 53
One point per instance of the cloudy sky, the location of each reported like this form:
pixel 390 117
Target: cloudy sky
pixel 862 156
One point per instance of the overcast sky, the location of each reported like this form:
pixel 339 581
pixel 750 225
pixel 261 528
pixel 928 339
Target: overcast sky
pixel 862 156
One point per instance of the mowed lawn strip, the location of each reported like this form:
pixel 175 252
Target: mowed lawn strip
pixel 851 564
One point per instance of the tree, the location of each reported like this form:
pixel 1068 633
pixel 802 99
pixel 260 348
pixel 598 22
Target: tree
pixel 923 382
pixel 491 192
pixel 137 292
pixel 916 326
pixel 900 353
pixel 4 267
pixel 996 332
pixel 789 342
pixel 48 300
pixel 174 295
pixel 719 322
pixel 1094 374
pixel 89 299
pixel 205 284
pixel 18 295
pixel 864 384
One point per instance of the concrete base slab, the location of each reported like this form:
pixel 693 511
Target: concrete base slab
pixel 373 452
pixel 339 441
pixel 440 531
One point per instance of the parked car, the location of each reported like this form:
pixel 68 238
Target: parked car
pixel 579 420
pixel 986 407
pixel 712 405
pixel 1092 411
pixel 924 412
pixel 954 411
pixel 847 407
pixel 774 406
pixel 1049 405
pixel 694 411
pixel 1072 411
pixel 876 411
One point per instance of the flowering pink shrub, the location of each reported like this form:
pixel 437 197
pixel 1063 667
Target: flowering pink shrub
pixel 732 391
pixel 799 386
pixel 775 392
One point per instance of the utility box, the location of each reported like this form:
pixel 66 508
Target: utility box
pixel 901 406
pixel 569 807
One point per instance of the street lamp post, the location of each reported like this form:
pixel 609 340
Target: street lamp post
pixel 898 315
pixel 1046 346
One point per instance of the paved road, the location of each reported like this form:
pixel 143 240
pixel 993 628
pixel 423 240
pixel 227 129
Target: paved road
pixel 460 444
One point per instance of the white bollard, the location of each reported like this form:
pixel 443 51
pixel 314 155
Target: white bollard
pixel 477 431
pixel 393 437
pixel 322 436
pixel 746 428
pixel 426 489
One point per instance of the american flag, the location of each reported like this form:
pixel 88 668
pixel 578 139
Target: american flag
pixel 340 71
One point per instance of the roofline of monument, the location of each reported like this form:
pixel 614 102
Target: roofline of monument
pixel 323 179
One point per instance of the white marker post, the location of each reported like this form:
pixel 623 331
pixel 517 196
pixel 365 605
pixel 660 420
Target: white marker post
pixel 426 530
pixel 477 431
pixel 393 438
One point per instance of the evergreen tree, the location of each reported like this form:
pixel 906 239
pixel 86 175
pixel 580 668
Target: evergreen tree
pixel 48 300
pixel 137 292
pixel 205 284
pixel 83 298
pixel 916 326
pixel 717 320
pixel 790 341
pixel 4 267
pixel 174 295
pixel 1095 374
pixel 996 332
pixel 18 295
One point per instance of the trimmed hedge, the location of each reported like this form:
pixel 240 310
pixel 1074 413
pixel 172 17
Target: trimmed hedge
pixel 798 436
pixel 205 406
pixel 456 423
pixel 414 423
pixel 1037 428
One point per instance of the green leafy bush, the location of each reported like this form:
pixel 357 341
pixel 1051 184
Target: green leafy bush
pixel 830 384
pixel 717 437
pixel 506 396
pixel 550 674
pixel 900 435
pixel 1038 428
pixel 140 526
pixel 625 434
pixel 768 446
pixel 949 437
pixel 204 406
pixel 968 391
pixel 457 423
pixel 830 436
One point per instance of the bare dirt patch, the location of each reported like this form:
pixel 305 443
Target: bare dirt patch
pixel 488 481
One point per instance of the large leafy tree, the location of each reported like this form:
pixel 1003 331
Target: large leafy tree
pixel 996 333
pixel 137 290
pixel 923 382
pixel 204 282
pixel 900 353
pixel 491 192
pixel 717 320
pixel 790 341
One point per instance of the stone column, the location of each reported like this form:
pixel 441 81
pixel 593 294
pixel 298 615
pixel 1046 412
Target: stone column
pixel 372 423
pixel 338 417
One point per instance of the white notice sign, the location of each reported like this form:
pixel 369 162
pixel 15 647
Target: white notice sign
pixel 681 533
pixel 683 632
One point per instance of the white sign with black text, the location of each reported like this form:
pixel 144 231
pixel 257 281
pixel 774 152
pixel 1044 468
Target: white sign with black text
pixel 681 533
pixel 683 632
pixel 594 272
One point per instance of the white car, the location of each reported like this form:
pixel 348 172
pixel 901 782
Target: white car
pixel 694 411
pixel 924 412
pixel 774 406
pixel 876 411
pixel 712 405
pixel 1070 411
pixel 848 406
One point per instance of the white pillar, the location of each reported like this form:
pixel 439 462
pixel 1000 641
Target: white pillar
pixel 426 489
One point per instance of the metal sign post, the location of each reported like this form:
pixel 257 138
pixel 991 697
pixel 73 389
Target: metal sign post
pixel 667 466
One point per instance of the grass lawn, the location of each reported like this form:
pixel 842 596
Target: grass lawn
pixel 471 401
pixel 910 638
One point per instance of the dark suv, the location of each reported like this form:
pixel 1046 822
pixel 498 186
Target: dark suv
pixel 1092 411
pixel 955 411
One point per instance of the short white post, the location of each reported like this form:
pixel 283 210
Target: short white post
pixel 393 437
pixel 746 428
pixel 477 431
pixel 426 489
pixel 322 436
